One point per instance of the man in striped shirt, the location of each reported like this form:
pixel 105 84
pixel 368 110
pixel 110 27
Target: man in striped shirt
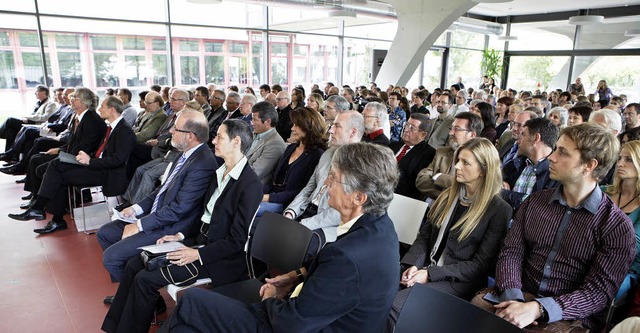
pixel 570 247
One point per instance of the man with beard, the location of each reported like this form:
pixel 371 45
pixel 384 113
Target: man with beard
pixel 438 176
pixel 442 124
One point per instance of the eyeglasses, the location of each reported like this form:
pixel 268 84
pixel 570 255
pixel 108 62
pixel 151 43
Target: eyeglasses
pixel 411 128
pixel 216 97
pixel 174 128
pixel 176 99
pixel 281 98
pixel 370 116
pixel 331 178
pixel 148 103
pixel 460 129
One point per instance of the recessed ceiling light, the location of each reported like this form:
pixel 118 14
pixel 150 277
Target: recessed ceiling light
pixel 586 19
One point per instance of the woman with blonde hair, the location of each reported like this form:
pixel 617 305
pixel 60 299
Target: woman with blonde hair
pixel 458 245
pixel 625 193
pixel 315 102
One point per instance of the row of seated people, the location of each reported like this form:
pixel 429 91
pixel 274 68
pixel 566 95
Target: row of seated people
pixel 419 129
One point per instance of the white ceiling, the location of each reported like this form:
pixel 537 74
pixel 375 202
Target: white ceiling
pixel 524 7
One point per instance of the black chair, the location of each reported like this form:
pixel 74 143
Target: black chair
pixel 278 242
pixel 428 309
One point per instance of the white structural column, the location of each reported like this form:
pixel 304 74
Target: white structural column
pixel 420 23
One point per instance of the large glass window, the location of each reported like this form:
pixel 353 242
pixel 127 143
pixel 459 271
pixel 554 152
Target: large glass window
pixel 221 14
pixel 622 74
pixel 145 10
pixel 357 63
pixel 189 70
pixel 549 35
pixel 8 79
pixel 160 69
pixel 70 67
pixel 432 69
pixel 105 70
pixel 540 72
pixel 463 63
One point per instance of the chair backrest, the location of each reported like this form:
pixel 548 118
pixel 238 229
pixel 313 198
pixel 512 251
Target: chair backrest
pixel 429 309
pixel 407 215
pixel 280 242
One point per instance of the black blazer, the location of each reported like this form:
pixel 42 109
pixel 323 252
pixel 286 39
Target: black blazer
pixel 418 158
pixel 88 136
pixel 223 255
pixel 381 139
pixel 114 159
pixel 283 127
pixel 467 263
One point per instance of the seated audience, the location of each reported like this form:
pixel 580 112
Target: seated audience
pixel 626 136
pixel 246 103
pixel 413 153
pixel 86 134
pixel 373 114
pixel 529 172
pixel 442 124
pixel 624 193
pixel 298 161
pixel 267 146
pixel 41 112
pixel 458 245
pixel 516 133
pixel 233 197
pixel 172 207
pixel 315 102
pixel 310 207
pixel 284 109
pixel 129 114
pixel 349 285
pixel 440 173
pixel 397 116
pixel 503 114
pixel 105 168
pixel 569 248
pixel 630 115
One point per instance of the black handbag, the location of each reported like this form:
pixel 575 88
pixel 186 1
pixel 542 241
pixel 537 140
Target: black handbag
pixel 153 261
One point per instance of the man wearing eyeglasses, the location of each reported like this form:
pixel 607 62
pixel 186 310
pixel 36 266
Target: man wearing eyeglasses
pixel 152 118
pixel 443 122
pixel 413 153
pixel 516 133
pixel 438 176
pixel 284 108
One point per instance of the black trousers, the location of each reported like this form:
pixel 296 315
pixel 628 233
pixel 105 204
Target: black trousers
pixel 140 155
pixel 38 164
pixel 202 310
pixel 9 130
pixel 33 148
pixel 134 303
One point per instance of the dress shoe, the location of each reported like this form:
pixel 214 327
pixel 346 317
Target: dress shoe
pixel 12 170
pixel 7 156
pixel 51 227
pixel 21 181
pixel 28 204
pixel 30 214
pixel 9 164
pixel 108 300
pixel 28 196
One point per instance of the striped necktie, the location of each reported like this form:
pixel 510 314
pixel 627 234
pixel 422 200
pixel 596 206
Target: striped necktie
pixel 402 153
pixel 166 183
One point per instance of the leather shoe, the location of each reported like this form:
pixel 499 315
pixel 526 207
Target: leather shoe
pixel 30 214
pixel 28 196
pixel 28 204
pixel 21 181
pixel 108 300
pixel 7 156
pixel 51 227
pixel 12 170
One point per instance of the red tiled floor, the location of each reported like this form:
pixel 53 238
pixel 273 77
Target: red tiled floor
pixel 51 283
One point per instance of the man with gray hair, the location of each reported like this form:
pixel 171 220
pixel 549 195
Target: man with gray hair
pixel 332 106
pixel 311 206
pixel 284 109
pixel 373 114
pixel 517 129
pixel 612 122
pixel 246 104
pixel 233 105
pixel 267 146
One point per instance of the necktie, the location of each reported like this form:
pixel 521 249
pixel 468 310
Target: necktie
pixel 75 123
pixel 511 155
pixel 166 183
pixel 104 142
pixel 402 153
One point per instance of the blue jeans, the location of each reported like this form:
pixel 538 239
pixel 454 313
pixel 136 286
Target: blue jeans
pixel 274 207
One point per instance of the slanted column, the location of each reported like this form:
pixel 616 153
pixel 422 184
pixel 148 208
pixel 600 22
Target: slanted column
pixel 420 23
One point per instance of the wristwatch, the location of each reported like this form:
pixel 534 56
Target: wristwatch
pixel 299 276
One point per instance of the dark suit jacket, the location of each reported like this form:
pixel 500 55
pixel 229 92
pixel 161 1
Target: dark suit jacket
pixel 504 150
pixel 381 139
pixel 418 158
pixel 236 114
pixel 88 136
pixel 59 121
pixel 223 255
pixel 468 262
pixel 284 122
pixel 350 286
pixel 181 204
pixel 114 159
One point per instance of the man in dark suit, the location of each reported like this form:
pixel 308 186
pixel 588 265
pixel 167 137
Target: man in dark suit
pixel 105 169
pixel 170 208
pixel 218 112
pixel 233 106
pixel 349 285
pixel 86 134
pixel 222 231
pixel 284 120
pixel 413 153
